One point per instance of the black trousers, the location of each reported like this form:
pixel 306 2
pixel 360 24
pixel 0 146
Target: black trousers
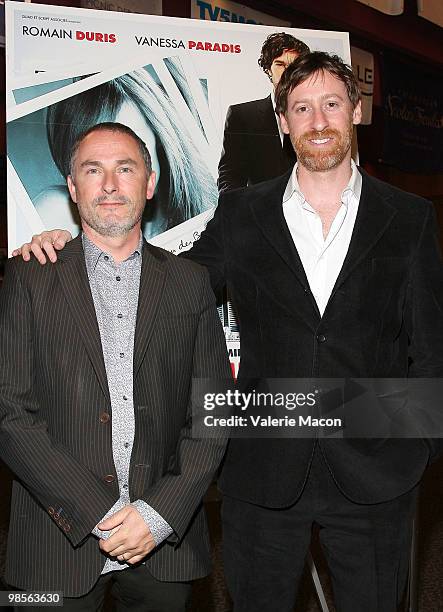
pixel 366 547
pixel 133 590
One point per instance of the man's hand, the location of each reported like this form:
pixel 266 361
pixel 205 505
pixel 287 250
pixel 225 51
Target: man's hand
pixel 132 540
pixel 46 242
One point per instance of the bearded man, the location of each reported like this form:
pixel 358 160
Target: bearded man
pixel 333 274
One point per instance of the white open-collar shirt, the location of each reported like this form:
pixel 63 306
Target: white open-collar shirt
pixel 322 258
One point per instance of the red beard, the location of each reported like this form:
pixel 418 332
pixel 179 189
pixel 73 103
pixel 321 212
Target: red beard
pixel 325 157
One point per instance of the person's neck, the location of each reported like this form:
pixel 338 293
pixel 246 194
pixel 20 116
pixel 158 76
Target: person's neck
pixel 322 188
pixel 119 247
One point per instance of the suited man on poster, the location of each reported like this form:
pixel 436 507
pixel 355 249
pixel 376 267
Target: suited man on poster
pixel 254 147
pixel 97 355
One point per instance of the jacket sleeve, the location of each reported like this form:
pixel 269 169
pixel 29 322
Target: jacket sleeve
pixel 233 168
pixel 72 496
pixel 178 494
pixel 209 251
pixel 424 325
pixel 424 303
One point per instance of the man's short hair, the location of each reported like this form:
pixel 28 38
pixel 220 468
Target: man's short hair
pixel 111 126
pixel 275 45
pixel 309 64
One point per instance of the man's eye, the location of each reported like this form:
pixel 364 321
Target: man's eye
pixel 332 104
pixel 301 109
pixel 92 171
pixel 125 169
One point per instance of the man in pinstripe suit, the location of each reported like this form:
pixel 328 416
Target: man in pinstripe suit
pixel 95 395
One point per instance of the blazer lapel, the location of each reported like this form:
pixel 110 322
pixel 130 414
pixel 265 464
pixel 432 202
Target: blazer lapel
pixel 373 218
pixel 284 153
pixel 268 119
pixel 75 284
pixel 152 282
pixel 267 210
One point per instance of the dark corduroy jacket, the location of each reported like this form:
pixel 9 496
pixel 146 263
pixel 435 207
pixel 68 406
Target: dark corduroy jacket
pixel 384 319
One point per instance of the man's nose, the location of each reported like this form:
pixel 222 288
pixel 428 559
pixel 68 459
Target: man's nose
pixel 319 119
pixel 109 184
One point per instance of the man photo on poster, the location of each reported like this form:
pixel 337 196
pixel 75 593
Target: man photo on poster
pixel 254 146
pixel 98 354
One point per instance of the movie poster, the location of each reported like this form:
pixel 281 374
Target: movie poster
pixel 171 80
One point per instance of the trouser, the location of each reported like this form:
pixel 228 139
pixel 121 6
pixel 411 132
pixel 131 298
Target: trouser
pixel 133 589
pixel 366 547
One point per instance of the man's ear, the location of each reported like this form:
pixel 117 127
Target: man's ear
pixel 356 115
pixel 283 123
pixel 150 188
pixel 71 187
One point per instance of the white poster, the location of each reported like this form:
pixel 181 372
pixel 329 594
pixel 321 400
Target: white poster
pixel 224 10
pixel 171 80
pixel 363 69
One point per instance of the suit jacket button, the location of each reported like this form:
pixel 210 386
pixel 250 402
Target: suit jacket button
pixel 67 528
pixel 56 516
pixel 109 478
pixel 321 338
pixel 51 511
pixel 104 417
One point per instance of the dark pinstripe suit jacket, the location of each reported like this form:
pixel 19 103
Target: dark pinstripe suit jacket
pixel 55 433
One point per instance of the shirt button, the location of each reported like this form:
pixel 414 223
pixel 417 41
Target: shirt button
pixel 125 486
pixel 109 478
pixel 122 355
pixel 106 258
pixel 119 316
pixel 104 417
pixel 125 397
pixel 126 445
pixel 118 278
pixel 321 338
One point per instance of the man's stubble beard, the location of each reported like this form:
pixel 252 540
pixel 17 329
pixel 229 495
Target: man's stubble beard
pixel 109 227
pixel 321 160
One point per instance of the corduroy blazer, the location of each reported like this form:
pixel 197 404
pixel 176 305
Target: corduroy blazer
pixel 252 149
pixel 55 425
pixel 384 319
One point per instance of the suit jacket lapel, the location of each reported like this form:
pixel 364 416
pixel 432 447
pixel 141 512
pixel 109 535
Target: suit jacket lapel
pixel 152 282
pixel 373 218
pixel 75 284
pixel 267 210
pixel 268 120
pixel 268 124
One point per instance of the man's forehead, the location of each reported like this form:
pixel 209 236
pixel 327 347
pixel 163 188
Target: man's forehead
pixel 287 55
pixel 98 137
pixel 107 143
pixel 321 82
